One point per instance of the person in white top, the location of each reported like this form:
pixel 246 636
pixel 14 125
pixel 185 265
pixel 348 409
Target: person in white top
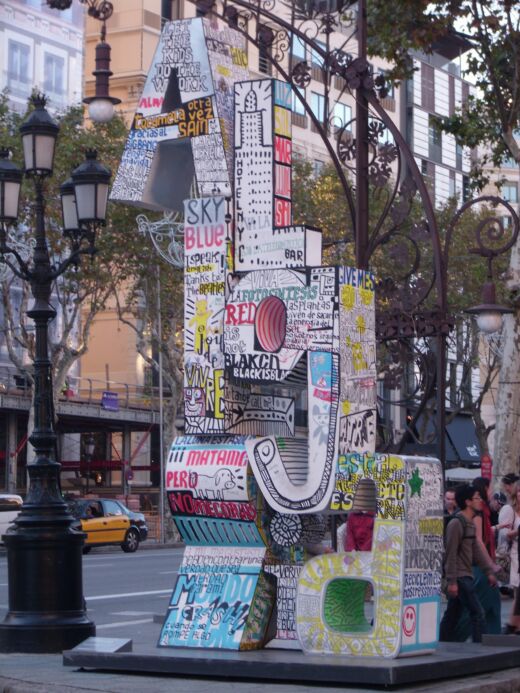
pixel 512 535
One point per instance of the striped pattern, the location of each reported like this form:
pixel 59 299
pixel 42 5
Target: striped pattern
pixel 271 323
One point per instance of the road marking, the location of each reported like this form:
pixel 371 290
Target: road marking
pixel 128 594
pixel 130 613
pixel 3 584
pixel 168 572
pixel 125 623
pixel 101 565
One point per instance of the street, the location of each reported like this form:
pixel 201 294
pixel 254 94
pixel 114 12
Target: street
pixel 123 591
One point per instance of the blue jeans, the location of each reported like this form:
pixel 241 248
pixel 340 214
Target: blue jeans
pixel 467 598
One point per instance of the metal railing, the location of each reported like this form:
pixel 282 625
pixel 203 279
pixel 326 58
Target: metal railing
pixel 85 390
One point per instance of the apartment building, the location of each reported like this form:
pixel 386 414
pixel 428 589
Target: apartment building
pixel 99 435
pixel 43 49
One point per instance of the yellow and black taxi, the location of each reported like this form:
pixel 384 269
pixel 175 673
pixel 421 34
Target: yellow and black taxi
pixel 108 521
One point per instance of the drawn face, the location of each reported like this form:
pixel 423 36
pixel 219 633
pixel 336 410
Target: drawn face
pixel 409 621
pixel 225 479
pixel 202 308
pixel 194 401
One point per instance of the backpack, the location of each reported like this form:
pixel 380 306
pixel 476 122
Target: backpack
pixel 461 518
pixel 447 520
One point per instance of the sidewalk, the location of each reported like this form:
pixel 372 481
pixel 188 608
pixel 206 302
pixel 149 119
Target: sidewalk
pixel 46 674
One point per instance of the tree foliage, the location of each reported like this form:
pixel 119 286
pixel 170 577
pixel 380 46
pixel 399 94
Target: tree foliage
pixel 319 201
pixel 491 29
pixel 83 290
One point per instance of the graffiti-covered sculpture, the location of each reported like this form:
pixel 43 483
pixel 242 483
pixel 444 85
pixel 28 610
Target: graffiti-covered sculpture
pixel 279 386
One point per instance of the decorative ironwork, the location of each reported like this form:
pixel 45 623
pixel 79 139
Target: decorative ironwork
pixel 167 235
pixel 59 4
pixel 101 10
pixel 412 289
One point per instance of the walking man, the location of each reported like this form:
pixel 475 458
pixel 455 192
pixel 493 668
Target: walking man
pixel 462 551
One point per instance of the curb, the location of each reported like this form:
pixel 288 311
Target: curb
pixel 497 682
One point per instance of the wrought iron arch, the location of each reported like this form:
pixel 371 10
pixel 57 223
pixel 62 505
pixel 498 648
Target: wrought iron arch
pixel 416 304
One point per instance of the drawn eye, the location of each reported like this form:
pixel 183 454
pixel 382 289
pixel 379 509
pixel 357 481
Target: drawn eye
pixel 266 451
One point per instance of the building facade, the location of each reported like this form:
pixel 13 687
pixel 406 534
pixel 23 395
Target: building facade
pixel 41 49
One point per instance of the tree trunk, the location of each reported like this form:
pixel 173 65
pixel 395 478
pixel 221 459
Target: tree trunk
pixel 506 453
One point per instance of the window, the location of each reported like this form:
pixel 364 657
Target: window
pixel 297 106
pixel 342 115
pixel 316 58
pixel 317 167
pixel 458 155
pixel 54 70
pixel 388 85
pixel 18 73
pixel 318 106
pixel 113 508
pixel 434 140
pixel 509 163
pixel 452 186
pixel 466 189
pixel 428 172
pixel 451 95
pixel 509 192
pixel 428 88
pixel 507 222
pixel 298 48
pixel 264 64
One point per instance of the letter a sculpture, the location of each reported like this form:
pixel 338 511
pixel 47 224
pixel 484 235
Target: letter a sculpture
pixel 279 386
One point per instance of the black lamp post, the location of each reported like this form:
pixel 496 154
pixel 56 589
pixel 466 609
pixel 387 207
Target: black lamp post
pixel 90 446
pixel 44 554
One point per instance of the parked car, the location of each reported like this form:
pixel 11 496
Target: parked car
pixel 108 521
pixel 10 506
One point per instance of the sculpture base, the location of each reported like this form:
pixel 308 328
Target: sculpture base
pixel 449 661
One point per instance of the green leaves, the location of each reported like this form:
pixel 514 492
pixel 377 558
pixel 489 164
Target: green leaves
pixel 493 65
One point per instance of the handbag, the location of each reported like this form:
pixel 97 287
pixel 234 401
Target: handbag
pixel 503 558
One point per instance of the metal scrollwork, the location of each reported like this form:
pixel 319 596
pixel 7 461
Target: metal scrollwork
pixel 402 230
pixel 102 11
pixel 301 74
pixel 167 235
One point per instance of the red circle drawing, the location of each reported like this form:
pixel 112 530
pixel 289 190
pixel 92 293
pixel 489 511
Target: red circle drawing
pixel 271 323
pixel 409 621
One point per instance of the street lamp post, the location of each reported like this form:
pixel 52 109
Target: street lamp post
pixel 89 452
pixel 44 553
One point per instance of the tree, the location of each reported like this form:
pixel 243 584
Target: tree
pixel 491 118
pixel 491 29
pixel 319 201
pixel 151 304
pixel 84 289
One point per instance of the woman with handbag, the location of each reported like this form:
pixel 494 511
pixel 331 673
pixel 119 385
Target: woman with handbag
pixel 514 579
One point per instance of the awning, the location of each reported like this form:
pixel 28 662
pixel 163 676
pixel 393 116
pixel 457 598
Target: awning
pixel 462 447
pixel 463 436
pixel 462 474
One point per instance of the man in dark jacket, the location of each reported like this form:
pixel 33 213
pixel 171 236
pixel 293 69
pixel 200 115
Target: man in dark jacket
pixel 462 552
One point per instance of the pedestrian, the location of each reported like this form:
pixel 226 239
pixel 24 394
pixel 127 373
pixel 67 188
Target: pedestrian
pixel 496 504
pixel 462 551
pixel 450 504
pixel 504 516
pixel 513 626
pixel 508 482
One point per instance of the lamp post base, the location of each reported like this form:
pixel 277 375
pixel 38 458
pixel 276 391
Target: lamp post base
pixel 46 606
